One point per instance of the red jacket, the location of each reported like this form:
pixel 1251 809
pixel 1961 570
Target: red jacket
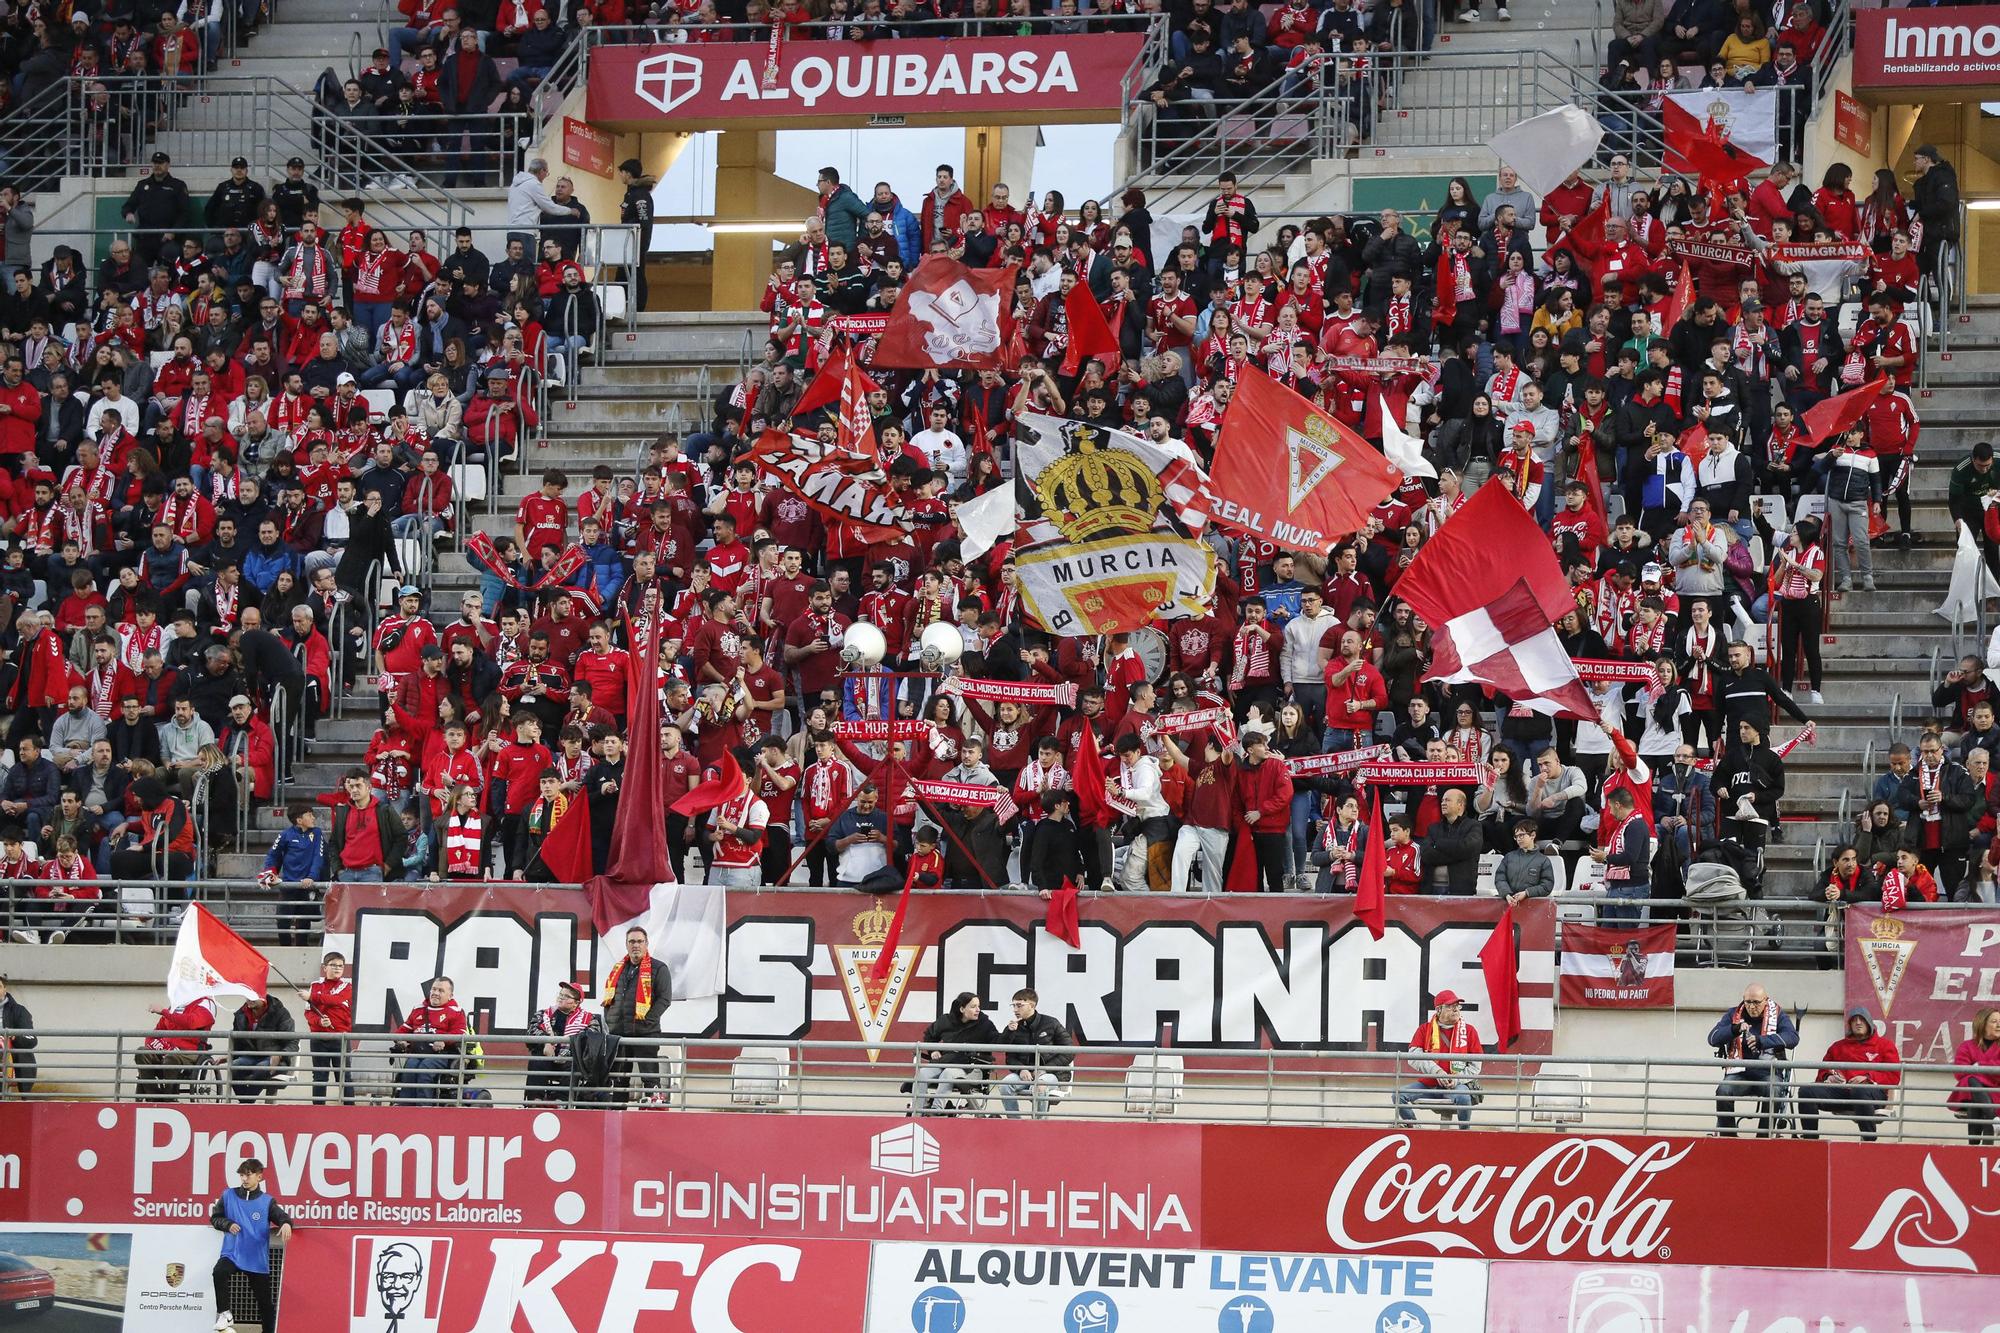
pixel 1267 789
pixel 195 1016
pixel 1872 1049
pixel 24 410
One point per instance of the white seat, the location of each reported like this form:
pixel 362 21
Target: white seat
pixel 1488 863
pixel 469 481
pixel 1562 875
pixel 413 554
pixel 1758 556
pixel 159 359
pixel 760 1075
pixel 1811 506
pixel 1154 1083
pixel 379 401
pixel 615 246
pixel 1772 507
pixel 1589 876
pixel 1561 1097
pixel 614 302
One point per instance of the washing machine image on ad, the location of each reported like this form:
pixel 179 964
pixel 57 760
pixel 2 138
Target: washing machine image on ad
pixel 1617 1300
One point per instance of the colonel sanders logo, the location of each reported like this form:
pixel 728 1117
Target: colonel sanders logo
pixel 962 322
pixel 399 1284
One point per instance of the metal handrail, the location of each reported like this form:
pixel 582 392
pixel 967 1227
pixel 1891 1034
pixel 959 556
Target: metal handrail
pixel 1649 1095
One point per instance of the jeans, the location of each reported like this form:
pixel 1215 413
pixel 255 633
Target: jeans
pixel 1210 846
pixel 372 315
pixel 1148 857
pixel 1301 830
pixel 934 1084
pixel 1859 1102
pixel 736 877
pixel 1336 739
pixel 1635 915
pixel 372 875
pixel 1760 1082
pixel 427 1078
pixel 1037 1086
pixel 1847 520
pixel 1413 1095
pixel 253 1077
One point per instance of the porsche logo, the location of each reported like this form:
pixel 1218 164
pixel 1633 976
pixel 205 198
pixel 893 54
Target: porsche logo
pixel 176 1274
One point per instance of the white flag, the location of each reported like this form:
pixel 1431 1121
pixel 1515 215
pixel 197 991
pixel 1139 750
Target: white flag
pixel 687 928
pixel 1969 582
pixel 1406 451
pixel 985 519
pixel 1545 149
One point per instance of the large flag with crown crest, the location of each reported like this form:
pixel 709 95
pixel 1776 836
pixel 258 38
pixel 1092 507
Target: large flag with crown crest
pixel 1107 527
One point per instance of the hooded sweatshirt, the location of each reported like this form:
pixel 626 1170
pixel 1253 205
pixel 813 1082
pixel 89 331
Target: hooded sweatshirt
pixel 1872 1049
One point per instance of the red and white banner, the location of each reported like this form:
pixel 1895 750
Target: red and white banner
pixel 448 1280
pixel 1115 584
pixel 1197 970
pixel 1948 51
pixel 1828 265
pixel 1605 671
pixel 1219 720
pixel 835 484
pixel 1340 761
pixel 211 960
pixel 1709 127
pixel 1417 774
pixel 705 85
pixel 966 793
pixel 1922 974
pixel 1028 693
pixel 1598 1298
pixel 1614 967
pixel 884 729
pixel 1290 473
pixel 950 317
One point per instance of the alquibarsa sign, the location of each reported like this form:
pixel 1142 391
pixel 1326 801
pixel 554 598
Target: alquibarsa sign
pixel 1515 1196
pixel 1914 50
pixel 1052 78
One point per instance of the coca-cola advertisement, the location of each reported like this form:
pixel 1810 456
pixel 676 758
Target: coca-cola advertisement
pixel 414 1280
pixel 1229 973
pixel 1916 1207
pixel 1633 1298
pixel 1923 975
pixel 1479 1195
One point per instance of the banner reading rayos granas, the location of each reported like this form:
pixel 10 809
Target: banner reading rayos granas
pixel 1236 972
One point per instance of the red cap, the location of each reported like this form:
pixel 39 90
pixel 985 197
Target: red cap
pixel 1445 997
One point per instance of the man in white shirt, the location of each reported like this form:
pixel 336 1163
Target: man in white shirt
pixel 1149 860
pixel 942 447
pixel 1303 664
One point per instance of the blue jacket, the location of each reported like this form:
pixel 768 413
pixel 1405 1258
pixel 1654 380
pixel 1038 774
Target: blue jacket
pixel 1630 867
pixel 261 568
pixel 606 571
pixel 909 233
pixel 296 854
pixel 250 1248
pixel 1761 1046
pixel 39 785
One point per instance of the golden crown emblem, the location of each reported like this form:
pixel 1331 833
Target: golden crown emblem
pixel 1095 491
pixel 1886 928
pixel 872 926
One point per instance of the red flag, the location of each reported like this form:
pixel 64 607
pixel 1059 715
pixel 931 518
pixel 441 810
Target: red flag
pixel 835 373
pixel 1062 922
pixel 1831 416
pixel 886 955
pixel 1370 904
pixel 1444 310
pixel 950 317
pixel 1593 484
pixel 1706 147
pixel 1491 617
pixel 1326 481
pixel 725 783
pixel 210 959
pixel 1586 238
pixel 1093 810
pixel 1089 332
pixel 1679 298
pixel 1617 967
pixel 1500 960
pixel 638 831
pixel 566 849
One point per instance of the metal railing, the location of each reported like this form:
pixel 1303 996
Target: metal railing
pixel 1726 933
pixel 1369 1089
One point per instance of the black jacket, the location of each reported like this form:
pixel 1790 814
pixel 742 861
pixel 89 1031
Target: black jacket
pixel 619 1016
pixel 1041 1030
pixel 1453 846
pixel 15 1018
pixel 1056 855
pixel 1957 797
pixel 951 1031
pixel 158 202
pixel 267 1034
pixel 1756 773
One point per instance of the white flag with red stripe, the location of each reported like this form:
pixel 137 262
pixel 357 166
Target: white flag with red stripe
pixel 1720 134
pixel 210 959
pixel 1492 618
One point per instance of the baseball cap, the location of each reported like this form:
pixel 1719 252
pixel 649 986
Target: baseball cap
pixel 1752 304
pixel 432 650
pixel 80 17
pixel 409 590
pixel 161 157
pixel 1652 574
pixel 1445 997
pixel 345 378
pixel 242 699
pixel 239 162
pixel 296 162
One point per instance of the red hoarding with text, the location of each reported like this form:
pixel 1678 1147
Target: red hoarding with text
pixel 1923 51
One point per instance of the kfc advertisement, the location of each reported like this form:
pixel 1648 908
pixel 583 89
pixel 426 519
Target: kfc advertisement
pixel 414 1281
pixel 1212 974
pixel 1030 80
pixel 1923 975
pixel 1909 54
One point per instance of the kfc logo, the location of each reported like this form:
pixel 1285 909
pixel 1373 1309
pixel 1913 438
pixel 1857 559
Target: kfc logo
pixel 668 81
pixel 398 1284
